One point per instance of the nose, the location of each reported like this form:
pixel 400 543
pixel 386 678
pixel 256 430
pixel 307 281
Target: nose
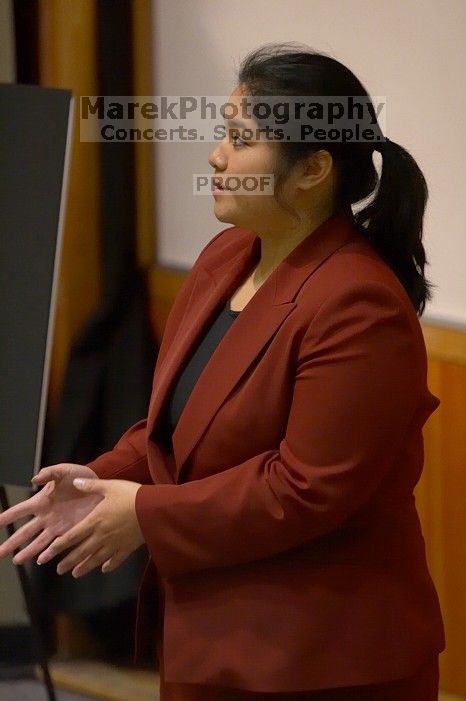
pixel 217 159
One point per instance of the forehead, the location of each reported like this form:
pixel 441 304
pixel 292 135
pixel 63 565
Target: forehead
pixel 237 95
pixel 240 115
pixel 239 90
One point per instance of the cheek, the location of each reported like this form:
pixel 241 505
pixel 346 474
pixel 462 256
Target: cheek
pixel 263 206
pixel 254 159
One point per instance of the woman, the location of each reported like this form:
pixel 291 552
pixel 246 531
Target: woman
pixel 277 502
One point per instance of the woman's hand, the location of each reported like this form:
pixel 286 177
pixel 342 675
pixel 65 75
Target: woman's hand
pixel 107 535
pixel 55 509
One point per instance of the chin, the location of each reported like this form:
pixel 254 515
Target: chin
pixel 226 218
pixel 231 218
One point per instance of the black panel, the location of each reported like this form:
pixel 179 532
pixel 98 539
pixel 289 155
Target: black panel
pixel 33 134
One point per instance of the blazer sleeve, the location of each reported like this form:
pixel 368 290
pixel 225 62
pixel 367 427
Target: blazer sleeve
pixel 360 381
pixel 127 459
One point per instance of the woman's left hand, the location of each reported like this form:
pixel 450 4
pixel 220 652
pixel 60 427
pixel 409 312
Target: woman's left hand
pixel 107 536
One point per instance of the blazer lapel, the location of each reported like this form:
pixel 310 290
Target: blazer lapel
pixel 206 295
pixel 250 332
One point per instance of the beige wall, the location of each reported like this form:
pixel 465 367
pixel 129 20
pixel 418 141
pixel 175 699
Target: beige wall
pixel 409 50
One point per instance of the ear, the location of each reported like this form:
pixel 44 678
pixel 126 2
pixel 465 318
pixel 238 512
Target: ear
pixel 317 167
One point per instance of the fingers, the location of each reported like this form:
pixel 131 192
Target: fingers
pixel 99 558
pixel 114 562
pixel 84 550
pixel 49 473
pixel 82 530
pixel 108 565
pixel 22 535
pixel 24 508
pixel 34 548
pixel 102 556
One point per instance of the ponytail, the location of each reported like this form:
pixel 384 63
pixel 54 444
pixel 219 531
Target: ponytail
pixel 393 221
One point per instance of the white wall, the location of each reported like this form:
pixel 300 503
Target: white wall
pixel 411 51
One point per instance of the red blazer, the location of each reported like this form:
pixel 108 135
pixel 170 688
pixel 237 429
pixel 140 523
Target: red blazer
pixel 283 529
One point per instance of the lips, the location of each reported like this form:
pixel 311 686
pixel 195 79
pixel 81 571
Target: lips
pixel 218 182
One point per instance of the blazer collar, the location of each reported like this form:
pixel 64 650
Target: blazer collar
pixel 212 285
pixel 301 262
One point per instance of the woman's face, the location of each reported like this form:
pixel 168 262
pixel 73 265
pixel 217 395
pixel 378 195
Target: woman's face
pixel 247 208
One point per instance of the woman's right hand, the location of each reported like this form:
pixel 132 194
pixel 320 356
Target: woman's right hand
pixel 55 509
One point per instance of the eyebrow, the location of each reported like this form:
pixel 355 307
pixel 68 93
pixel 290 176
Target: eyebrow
pixel 235 123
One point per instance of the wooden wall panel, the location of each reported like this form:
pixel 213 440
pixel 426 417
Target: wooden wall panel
pixel 143 151
pixel 164 285
pixel 67 57
pixel 441 495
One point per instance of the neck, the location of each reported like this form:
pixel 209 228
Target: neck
pixel 276 245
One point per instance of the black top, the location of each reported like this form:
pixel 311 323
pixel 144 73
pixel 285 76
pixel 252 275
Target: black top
pixel 190 373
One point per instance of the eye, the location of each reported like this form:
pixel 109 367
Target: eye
pixel 236 140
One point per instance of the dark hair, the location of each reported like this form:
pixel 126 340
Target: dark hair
pixel 393 219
